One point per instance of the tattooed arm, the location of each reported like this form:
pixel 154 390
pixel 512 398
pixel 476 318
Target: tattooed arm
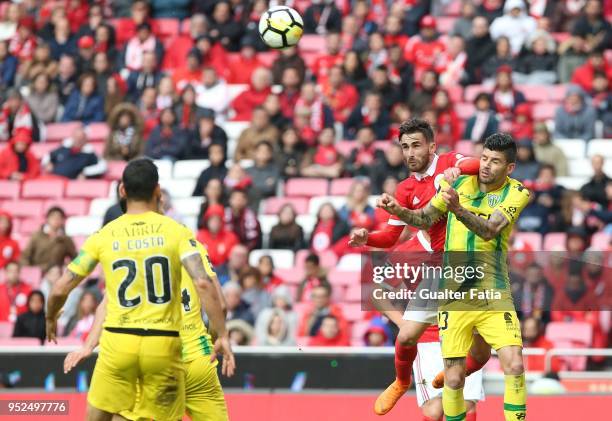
pixel 57 298
pixel 421 218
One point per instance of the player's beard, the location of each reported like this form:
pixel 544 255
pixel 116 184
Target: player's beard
pixel 418 164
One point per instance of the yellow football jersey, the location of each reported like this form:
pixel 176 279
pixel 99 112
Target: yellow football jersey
pixel 141 258
pixel 194 335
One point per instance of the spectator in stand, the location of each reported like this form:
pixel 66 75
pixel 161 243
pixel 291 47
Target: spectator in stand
pixel 369 113
pixel 503 57
pixel 42 62
pixel 242 220
pixel 505 96
pixel 547 152
pixel 584 75
pixel 533 337
pixel 357 212
pixel 31 324
pixel 213 94
pixel 321 308
pixel 550 195
pixel 259 130
pixel 95 19
pixel 50 275
pixel 332 57
pixel 597 275
pixel 288 57
pixel 521 127
pixel 330 333
pixel 173 9
pixel 187 111
pixel 63 42
pixel 401 72
pixel 243 66
pixel 9 248
pixel 266 268
pixel 393 32
pixel 322 17
pixel 50 244
pixel 391 164
pixel 75 158
pixel 275 328
pixel 362 158
pixel 255 96
pixel 8 66
pixel 213 55
pixel 191 74
pixel 287 234
pixel 147 76
pixel 354 71
pixel 390 92
pixel 314 276
pixel 167 140
pixel 66 79
pixel 81 323
pixel 595 189
pixel 216 171
pixel 448 125
pixel 237 178
pixel 291 89
pixel 84 104
pixel 105 43
pixel 491 9
pixel 253 290
pixel 264 174
pixel 238 259
pixel 166 95
pixel 534 217
pixel 15 115
pixel 290 154
pixel 534 298
pixel 422 96
pixel 463 25
pixel 575 296
pixel 526 165
pixel 593 28
pixel 378 55
pixel 43 100
pixel 273 106
pixel 602 101
pixel 478 49
pixel 85 54
pixel 223 28
pixel 240 333
pixel 575 118
pixel 426 49
pixel 125 138
pixel 17 162
pixel 378 333
pixel 323 160
pixel 516 24
pixel 143 42
pixel 537 63
pixel 147 107
pixel 330 227
pixel 311 114
pixel 237 308
pixel 206 134
pixel 13 293
pixel 219 242
pixel 23 42
pixel 452 64
pixel 484 123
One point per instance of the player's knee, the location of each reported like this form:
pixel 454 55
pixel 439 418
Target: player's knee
pixel 454 379
pixel 432 409
pixel 516 367
pixel 407 338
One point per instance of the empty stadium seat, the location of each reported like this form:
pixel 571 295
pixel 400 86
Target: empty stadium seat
pixel 40 150
pixel 125 28
pixel 353 294
pixel 272 205
pixel 267 222
pixel 571 335
pixel 352 311
pixel 534 93
pixel 31 275
pixel 291 276
pixel 42 189
pixel 179 188
pixel 90 189
pixel 327 259
pixel 340 186
pixel 465 110
pixel 114 170
pixel 191 222
pixel 6 329
pixel 465 147
pixel 59 131
pixel 24 208
pixel 545 110
pixel 283 259
pixel 313 43
pixel 572 183
pixel 316 202
pixel 164 168
pixel 267 58
pixel 307 222
pixel 534 239
pixel 601 241
pixel 572 148
pixel 97 132
pixel 98 206
pixel 9 189
pixel 553 240
pixel 455 92
pixel 165 27
pixel 83 225
pixel 190 168
pixel 72 207
pixel 345 147
pixel 350 262
pixel 16 342
pixel 600 147
pixel 28 226
pixel 557 92
pixel 445 24
pixel 345 277
pixel 187 206
pixel 176 52
pixel 306 187
pixel 472 91
pixel 358 332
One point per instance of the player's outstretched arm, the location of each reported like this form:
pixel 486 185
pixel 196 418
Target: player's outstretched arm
pixel 57 297
pixel 93 339
pixel 420 218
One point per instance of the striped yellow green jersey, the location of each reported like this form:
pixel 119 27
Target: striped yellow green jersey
pixel 194 335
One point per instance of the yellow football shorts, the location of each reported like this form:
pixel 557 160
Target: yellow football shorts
pixel 205 400
pixel 151 362
pixel 497 328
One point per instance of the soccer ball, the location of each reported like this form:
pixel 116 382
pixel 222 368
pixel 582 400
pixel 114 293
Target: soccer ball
pixel 281 27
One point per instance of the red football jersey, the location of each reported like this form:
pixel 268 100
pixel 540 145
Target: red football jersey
pixel 416 191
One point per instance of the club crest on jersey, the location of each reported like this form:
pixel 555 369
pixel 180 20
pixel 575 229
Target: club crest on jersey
pixel 493 200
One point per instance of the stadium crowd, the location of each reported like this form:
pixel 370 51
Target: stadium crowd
pixel 168 78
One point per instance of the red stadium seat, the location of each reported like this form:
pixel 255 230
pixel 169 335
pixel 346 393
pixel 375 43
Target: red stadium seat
pixel 9 189
pixel 42 189
pixel 534 239
pixel 472 91
pixel 352 312
pixel 176 52
pixel 165 27
pixel 267 58
pixel 115 170
pixel 272 205
pixel 341 186
pixel 125 28
pixel 465 147
pixel 557 92
pixel 382 145
pixel 535 93
pixel 40 150
pixel 561 37
pixel 358 332
pixel 72 207
pixel 24 208
pixel 464 110
pixel 28 226
pixel 455 93
pixel 290 276
pixel 60 131
pixel 345 147
pixel 306 187
pixel 327 259
pixel 6 329
pixel 601 241
pixel 343 277
pixel 15 342
pixel 312 43
pixel 63 341
pixel 445 24
pixel 98 132
pixel 554 240
pixel 544 111
pixel 571 335
pixel 353 294
pixel 90 189
pixel 184 29
pixel 31 275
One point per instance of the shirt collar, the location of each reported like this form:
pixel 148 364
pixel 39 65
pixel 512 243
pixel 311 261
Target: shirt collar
pixel 431 170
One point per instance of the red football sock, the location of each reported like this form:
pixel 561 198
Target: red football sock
pixel 470 416
pixel 471 365
pixel 404 357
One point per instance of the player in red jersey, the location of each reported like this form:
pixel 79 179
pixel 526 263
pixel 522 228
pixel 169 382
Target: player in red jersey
pixel 427 170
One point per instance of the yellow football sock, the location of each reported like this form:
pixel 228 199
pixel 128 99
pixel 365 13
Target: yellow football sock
pixel 453 404
pixel 515 398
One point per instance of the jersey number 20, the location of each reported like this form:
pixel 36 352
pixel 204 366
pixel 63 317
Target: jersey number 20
pixel 149 265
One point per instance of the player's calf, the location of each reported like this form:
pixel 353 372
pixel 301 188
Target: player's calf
pixel 515 391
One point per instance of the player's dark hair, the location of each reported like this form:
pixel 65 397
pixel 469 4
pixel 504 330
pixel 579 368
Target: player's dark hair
pixel 56 209
pixel 313 258
pixel 502 142
pixel 417 125
pixel 140 178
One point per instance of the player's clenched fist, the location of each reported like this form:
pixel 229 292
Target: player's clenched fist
pixel 388 203
pixel 451 198
pixel 359 237
pixel 451 174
